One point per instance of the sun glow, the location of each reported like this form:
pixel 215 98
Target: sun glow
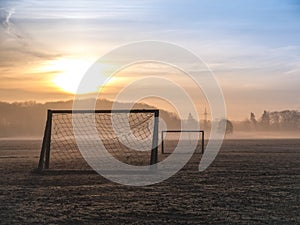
pixel 68 73
pixel 72 71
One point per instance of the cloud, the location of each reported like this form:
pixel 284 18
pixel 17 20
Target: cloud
pixel 6 21
pixel 16 42
pixel 25 94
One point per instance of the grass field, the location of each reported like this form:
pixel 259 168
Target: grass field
pixel 250 182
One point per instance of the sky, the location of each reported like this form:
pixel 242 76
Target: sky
pixel 252 47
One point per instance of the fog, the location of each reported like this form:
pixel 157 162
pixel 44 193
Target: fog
pixel 27 120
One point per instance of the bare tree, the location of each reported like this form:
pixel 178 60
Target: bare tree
pixel 227 124
pixel 265 120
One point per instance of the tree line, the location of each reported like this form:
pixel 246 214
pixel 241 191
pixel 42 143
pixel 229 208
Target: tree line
pixel 286 120
pixel 28 119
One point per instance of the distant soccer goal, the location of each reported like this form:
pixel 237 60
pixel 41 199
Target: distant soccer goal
pixel 187 138
pixel 131 136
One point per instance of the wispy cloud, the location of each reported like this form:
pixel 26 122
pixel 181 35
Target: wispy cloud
pixel 6 15
pixel 18 49
pixel 15 39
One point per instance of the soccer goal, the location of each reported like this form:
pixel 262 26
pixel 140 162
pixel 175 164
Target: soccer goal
pixel 130 136
pixel 187 138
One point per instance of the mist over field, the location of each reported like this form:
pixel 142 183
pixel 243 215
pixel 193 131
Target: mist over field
pixel 27 120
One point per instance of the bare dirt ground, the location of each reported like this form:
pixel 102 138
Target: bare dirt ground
pixel 250 182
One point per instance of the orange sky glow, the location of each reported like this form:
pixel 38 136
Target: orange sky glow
pixel 255 57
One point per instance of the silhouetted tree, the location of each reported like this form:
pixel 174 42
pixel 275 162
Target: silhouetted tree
pixel 191 123
pixel 253 120
pixel 290 119
pixel 227 125
pixel 275 120
pixel 265 120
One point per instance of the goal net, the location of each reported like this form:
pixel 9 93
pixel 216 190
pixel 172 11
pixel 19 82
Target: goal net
pixel 186 140
pixel 131 136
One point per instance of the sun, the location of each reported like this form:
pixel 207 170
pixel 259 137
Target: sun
pixel 70 73
pixel 67 73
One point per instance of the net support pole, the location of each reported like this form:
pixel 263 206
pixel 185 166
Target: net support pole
pixel 46 143
pixel 162 143
pixel 154 155
pixel 202 144
pixel 49 125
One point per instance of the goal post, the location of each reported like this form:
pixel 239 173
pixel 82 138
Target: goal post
pixel 130 136
pixel 177 133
